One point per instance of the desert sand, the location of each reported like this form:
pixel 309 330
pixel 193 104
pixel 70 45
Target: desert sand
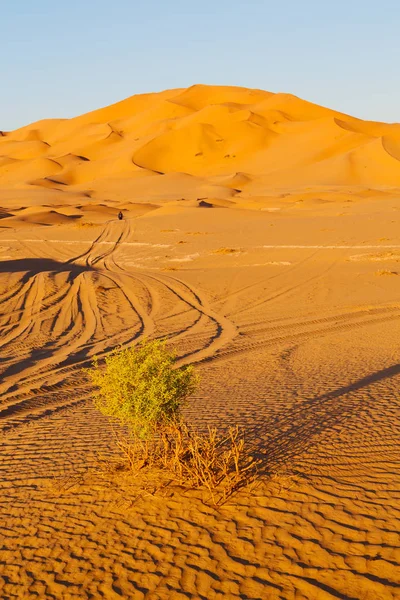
pixel 261 237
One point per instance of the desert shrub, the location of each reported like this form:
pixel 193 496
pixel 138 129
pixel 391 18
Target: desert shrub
pixel 140 388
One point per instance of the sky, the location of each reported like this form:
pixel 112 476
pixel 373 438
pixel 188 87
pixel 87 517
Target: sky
pixel 65 58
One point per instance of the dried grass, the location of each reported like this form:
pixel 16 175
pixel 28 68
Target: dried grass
pixel 227 250
pixel 218 463
pixel 86 224
pixel 386 272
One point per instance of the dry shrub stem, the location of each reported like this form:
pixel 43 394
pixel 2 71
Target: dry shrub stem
pixel 218 463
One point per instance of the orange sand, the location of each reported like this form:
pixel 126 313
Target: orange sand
pixel 261 236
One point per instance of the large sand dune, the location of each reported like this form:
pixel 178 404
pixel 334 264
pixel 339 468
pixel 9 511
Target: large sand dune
pixel 261 237
pixel 204 132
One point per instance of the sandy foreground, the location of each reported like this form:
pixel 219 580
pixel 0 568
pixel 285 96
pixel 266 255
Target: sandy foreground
pixel 273 264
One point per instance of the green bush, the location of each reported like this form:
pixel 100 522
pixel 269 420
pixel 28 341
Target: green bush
pixel 140 387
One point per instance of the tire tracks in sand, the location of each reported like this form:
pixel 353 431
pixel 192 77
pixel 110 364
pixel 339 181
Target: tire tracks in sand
pixel 54 322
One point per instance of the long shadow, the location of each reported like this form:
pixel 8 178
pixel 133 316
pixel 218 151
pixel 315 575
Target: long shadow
pixel 303 427
pixel 40 265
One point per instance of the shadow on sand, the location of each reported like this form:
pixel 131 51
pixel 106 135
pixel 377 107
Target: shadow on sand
pixel 278 441
pixel 40 265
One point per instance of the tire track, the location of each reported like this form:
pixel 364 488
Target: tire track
pixel 289 338
pixel 68 309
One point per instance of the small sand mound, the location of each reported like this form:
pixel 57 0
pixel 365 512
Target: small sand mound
pixel 48 217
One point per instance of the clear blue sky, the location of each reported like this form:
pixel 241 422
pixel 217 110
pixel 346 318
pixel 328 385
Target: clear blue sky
pixel 63 58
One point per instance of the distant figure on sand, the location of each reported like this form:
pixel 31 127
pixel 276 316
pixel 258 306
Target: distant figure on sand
pixel 120 215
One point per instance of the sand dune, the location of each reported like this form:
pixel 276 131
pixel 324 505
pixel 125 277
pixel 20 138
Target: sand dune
pixel 205 131
pixel 258 237
pixel 204 142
